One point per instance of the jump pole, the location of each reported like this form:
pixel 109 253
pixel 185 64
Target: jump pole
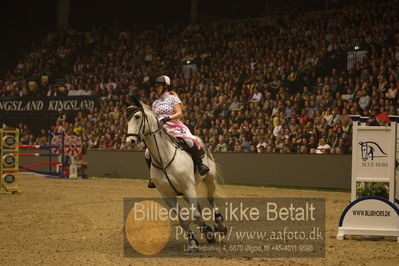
pixel 62 154
pixel 50 152
pixel 60 166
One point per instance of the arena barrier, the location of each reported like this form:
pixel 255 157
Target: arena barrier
pixel 373 160
pixel 56 149
pixel 64 148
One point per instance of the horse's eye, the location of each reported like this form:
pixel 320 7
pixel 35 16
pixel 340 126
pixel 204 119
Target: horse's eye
pixel 137 117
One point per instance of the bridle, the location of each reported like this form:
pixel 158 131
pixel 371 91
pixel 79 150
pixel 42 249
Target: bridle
pixel 130 111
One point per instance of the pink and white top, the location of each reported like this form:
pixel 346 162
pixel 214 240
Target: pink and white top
pixel 164 107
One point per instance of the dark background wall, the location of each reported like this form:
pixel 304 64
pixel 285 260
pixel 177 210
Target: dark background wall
pixel 317 171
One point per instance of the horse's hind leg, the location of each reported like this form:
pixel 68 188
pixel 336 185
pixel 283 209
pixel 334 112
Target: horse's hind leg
pixel 210 182
pixel 192 241
pixel 195 209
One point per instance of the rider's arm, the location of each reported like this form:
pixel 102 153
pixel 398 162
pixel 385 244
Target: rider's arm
pixel 178 112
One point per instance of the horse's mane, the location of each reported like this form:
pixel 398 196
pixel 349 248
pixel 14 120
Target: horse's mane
pixel 148 110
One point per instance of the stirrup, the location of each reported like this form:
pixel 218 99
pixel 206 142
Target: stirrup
pixel 150 184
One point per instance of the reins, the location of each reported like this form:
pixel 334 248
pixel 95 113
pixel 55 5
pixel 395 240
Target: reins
pixel 154 133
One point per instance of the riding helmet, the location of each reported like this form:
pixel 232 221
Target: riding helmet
pixel 163 79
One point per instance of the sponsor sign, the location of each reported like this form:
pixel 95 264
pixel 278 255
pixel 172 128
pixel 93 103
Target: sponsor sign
pixel 374 153
pixel 48 104
pixel 370 216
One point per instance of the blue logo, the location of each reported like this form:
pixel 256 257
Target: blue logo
pixel 370 149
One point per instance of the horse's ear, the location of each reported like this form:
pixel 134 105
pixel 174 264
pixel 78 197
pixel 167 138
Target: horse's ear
pixel 133 100
pixel 136 101
pixel 126 103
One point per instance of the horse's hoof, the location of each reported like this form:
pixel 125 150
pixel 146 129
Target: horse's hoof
pixel 209 232
pixel 151 185
pixel 210 237
pixel 219 218
pixel 193 246
pixel 193 250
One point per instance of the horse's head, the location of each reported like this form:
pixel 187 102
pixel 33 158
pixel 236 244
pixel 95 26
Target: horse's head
pixel 367 150
pixel 135 122
pixel 139 121
pixel 363 148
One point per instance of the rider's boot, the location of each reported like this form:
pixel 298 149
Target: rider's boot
pixel 202 168
pixel 150 184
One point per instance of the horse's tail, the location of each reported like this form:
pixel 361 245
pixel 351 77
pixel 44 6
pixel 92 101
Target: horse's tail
pixel 219 193
pixel 207 152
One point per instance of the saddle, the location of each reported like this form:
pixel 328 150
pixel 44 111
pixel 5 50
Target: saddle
pixel 182 145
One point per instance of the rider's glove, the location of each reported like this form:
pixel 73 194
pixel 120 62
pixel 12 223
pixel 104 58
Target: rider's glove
pixel 166 119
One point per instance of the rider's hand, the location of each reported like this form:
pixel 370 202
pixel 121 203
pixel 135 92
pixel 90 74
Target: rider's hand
pixel 166 119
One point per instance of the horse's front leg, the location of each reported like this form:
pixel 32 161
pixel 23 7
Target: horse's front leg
pixel 195 209
pixel 184 223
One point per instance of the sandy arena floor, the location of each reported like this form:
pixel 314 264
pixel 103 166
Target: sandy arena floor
pixel 79 222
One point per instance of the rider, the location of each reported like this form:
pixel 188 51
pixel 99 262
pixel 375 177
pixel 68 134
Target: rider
pixel 168 109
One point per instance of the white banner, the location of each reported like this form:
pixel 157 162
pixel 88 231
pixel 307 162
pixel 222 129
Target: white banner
pixel 374 154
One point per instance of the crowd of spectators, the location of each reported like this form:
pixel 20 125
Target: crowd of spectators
pixel 278 84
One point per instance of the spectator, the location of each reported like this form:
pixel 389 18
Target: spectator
pixel 364 99
pixel 257 96
pixel 323 147
pixel 277 128
pixel 296 85
pixel 245 145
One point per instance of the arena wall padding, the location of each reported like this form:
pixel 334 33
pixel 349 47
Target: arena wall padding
pixel 299 170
